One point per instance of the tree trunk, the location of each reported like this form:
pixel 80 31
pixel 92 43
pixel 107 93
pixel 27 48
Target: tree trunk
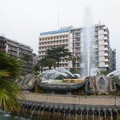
pixel 49 67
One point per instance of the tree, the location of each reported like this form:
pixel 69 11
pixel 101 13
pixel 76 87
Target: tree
pixel 50 62
pixel 10 65
pixel 39 66
pixel 44 62
pixel 9 91
pixel 41 63
pixel 36 67
pixel 9 95
pixel 58 53
pixel 74 59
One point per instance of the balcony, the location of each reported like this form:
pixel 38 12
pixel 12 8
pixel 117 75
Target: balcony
pixel 107 65
pixel 106 43
pixel 106 60
pixel 106 49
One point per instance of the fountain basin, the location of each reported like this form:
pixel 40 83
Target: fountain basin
pixel 69 107
pixel 64 110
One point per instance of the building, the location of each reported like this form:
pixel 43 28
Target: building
pixel 105 57
pixel 113 59
pixel 73 39
pixel 17 49
pixel 35 59
pixel 52 39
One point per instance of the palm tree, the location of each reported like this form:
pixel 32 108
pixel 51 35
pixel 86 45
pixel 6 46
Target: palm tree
pixel 11 65
pixel 9 91
pixel 9 95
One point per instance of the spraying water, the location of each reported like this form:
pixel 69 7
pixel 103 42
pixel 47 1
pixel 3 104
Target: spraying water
pixel 88 43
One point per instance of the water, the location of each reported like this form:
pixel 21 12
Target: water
pixel 88 44
pixel 57 73
pixel 7 116
pixel 83 114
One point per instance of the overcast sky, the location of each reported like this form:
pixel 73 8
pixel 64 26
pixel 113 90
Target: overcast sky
pixel 23 20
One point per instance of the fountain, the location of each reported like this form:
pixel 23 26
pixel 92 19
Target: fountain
pixel 60 95
pixel 50 111
pixel 65 83
pixel 88 43
pixel 68 98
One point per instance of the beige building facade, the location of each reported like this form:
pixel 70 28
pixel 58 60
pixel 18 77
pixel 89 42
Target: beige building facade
pixel 53 39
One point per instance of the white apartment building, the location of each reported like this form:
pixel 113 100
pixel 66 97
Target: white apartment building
pixel 105 57
pixel 16 49
pixel 73 38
